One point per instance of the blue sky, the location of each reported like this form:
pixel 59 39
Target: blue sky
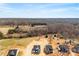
pixel 39 10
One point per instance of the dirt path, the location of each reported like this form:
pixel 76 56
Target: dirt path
pixel 42 42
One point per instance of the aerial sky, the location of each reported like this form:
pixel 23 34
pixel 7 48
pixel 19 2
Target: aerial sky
pixel 39 10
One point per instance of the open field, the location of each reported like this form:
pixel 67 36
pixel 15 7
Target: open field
pixel 4 29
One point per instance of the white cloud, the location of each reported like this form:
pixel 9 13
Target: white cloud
pixel 36 11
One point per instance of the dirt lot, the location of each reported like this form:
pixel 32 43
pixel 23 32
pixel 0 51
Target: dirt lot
pixel 42 42
pixel 25 46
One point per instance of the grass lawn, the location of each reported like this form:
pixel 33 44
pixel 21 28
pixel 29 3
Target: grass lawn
pixel 15 42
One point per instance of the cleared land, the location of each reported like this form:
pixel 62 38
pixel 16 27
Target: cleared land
pixel 25 45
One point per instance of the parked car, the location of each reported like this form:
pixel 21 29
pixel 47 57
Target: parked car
pixel 63 48
pixel 12 52
pixel 36 49
pixel 75 49
pixel 48 49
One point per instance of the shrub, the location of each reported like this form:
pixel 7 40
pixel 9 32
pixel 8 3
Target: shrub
pixel 11 31
pixel 1 35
